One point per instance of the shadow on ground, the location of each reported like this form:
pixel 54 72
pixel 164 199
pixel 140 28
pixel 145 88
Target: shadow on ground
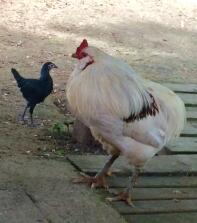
pixel 154 50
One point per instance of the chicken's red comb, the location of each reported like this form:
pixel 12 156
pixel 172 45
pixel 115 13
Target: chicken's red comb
pixel 79 54
pixel 83 45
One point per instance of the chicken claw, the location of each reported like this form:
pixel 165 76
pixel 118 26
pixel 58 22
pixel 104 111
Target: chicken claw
pixel 93 182
pixel 122 196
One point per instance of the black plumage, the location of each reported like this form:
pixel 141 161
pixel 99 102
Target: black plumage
pixel 35 90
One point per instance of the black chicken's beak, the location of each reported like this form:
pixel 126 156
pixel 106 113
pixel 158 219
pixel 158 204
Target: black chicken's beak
pixel 54 66
pixel 74 55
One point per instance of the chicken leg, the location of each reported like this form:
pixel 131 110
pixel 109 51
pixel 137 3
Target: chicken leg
pixel 126 195
pixel 31 106
pixel 23 115
pixel 31 110
pixel 100 179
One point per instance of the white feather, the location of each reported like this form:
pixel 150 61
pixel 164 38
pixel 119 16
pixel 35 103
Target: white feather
pixel 107 91
pixel 107 86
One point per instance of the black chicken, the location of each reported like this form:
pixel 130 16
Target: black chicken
pixel 35 90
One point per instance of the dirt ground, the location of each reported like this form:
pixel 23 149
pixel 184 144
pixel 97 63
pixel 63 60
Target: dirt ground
pixel 156 37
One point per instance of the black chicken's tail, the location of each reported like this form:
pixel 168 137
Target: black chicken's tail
pixel 17 77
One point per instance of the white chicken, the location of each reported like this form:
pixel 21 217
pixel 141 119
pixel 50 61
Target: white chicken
pixel 128 115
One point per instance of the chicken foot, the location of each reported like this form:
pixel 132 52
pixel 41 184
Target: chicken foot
pixel 22 116
pixel 31 106
pixel 126 195
pixel 100 179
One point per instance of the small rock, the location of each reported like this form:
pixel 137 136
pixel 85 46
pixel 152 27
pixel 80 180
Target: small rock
pixel 177 192
pixel 19 43
pixel 176 200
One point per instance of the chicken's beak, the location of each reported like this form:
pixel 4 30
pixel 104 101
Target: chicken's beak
pixel 54 66
pixel 74 55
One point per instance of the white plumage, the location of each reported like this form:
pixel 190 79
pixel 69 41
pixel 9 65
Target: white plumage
pixel 104 93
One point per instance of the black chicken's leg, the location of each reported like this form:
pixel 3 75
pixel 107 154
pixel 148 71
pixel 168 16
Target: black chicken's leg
pixel 23 115
pixel 31 110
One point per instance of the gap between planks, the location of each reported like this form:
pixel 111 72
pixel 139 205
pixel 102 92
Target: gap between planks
pixel 157 206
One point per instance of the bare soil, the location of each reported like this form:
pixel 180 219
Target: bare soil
pixel 157 38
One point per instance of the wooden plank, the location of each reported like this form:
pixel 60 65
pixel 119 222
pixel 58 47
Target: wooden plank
pixel 94 163
pixel 189 131
pixel 163 218
pixel 159 193
pixel 192 115
pixel 185 88
pixel 191 124
pixel 157 206
pixel 183 145
pixel 165 164
pixel 192 109
pixel 154 182
pixel 172 164
pixel 190 100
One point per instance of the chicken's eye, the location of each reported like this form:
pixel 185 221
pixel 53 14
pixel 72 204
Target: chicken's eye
pixel 50 66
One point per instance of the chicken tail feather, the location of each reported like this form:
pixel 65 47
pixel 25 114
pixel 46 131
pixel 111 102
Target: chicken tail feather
pixel 17 77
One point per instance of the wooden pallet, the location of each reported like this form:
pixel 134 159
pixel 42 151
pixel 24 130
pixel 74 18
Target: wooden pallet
pixel 167 188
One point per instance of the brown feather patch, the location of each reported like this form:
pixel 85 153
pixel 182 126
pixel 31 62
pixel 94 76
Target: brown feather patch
pixel 151 110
